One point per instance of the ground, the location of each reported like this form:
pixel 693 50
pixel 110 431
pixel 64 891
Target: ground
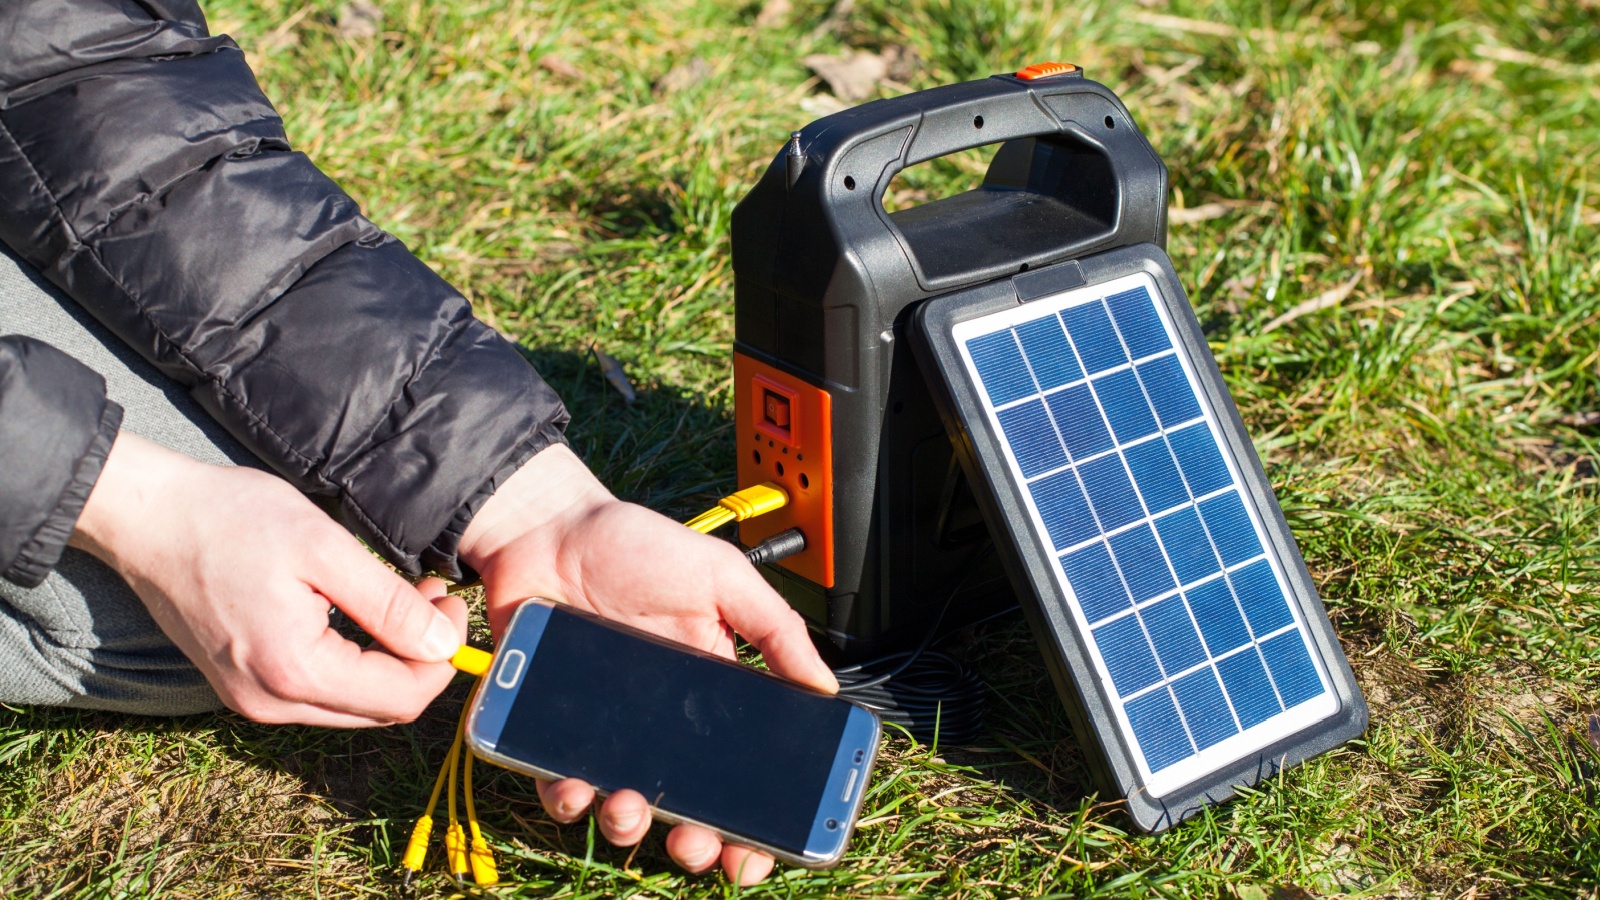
pixel 1382 213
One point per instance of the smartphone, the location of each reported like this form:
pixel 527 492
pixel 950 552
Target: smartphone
pixel 759 760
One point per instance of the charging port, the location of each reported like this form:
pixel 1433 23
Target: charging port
pixel 785 426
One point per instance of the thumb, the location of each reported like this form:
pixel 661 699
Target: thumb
pixel 399 616
pixel 758 614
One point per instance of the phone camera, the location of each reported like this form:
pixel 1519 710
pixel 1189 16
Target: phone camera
pixel 831 824
pixel 860 755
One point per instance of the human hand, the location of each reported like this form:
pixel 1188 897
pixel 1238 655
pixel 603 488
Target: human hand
pixel 552 530
pixel 239 570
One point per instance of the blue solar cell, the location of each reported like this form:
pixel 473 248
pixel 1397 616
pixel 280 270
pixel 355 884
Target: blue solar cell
pixel 1064 509
pixel 1218 616
pixel 1128 656
pixel 1177 645
pixel 1169 390
pixel 1160 732
pixel 1137 320
pixel 1110 491
pixel 1291 668
pixel 1199 459
pixel 1033 441
pixel 1000 366
pixel 1205 708
pixel 1187 546
pixel 1094 337
pixel 1095 582
pixel 1139 557
pixel 1048 353
pixel 1082 426
pixel 1124 403
pixel 1230 528
pixel 1264 606
pixel 1156 474
pixel 1248 687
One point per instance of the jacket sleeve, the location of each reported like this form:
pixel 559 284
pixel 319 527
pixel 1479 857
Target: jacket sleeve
pixel 143 171
pixel 56 427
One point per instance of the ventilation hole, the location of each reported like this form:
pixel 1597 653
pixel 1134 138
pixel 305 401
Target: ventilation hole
pixel 849 183
pixel 804 481
pixel 784 450
pixel 780 468
pixel 977 121
pixel 757 455
pixel 1110 122
pixel 799 457
pixel 770 444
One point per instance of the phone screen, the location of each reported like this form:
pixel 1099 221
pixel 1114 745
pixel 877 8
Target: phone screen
pixel 725 747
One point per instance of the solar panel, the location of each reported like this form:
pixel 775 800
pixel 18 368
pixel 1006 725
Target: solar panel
pixel 1152 538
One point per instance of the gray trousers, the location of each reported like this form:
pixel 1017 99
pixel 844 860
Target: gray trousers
pixel 82 638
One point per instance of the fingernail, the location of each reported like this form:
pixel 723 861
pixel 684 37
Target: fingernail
pixel 565 810
pixel 442 640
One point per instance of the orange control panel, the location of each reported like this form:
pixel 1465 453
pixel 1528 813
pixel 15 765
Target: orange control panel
pixel 786 437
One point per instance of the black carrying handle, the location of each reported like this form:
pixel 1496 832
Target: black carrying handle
pixel 1067 141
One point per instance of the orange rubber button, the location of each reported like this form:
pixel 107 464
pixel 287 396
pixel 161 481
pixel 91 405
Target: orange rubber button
pixel 1046 70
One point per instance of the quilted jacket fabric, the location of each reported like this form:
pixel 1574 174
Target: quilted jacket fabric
pixel 144 173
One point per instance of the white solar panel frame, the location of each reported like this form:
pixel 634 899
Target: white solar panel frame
pixel 1250 740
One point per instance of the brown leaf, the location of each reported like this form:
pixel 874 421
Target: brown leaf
pixel 774 14
pixel 850 77
pixel 1330 297
pixel 614 374
pixel 359 20
pixel 1594 732
pixel 560 67
pixel 683 75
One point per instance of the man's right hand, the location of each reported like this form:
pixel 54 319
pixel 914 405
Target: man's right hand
pixel 240 570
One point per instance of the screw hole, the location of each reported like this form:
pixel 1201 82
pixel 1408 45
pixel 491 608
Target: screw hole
pixel 1023 267
pixel 799 457
pixel 977 121
pixel 1110 122
pixel 780 468
pixel 804 481
pixel 849 183
pixel 757 455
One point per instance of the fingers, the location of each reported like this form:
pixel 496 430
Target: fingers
pixel 694 848
pixel 624 818
pixel 385 605
pixel 760 615
pixel 565 800
pixel 744 866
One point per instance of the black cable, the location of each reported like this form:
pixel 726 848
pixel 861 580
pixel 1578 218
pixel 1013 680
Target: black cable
pixel 927 692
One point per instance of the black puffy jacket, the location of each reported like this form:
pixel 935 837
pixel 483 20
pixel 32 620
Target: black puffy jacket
pixel 143 172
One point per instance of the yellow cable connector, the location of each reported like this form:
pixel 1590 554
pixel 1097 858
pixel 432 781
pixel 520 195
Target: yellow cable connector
pixel 472 661
pixel 740 505
pixel 417 848
pixel 455 848
pixel 481 857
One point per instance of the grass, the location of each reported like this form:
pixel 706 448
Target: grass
pixel 1404 191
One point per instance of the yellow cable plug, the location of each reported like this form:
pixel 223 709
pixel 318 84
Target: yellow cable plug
pixel 417 848
pixel 472 661
pixel 755 501
pixel 740 505
pixel 481 857
pixel 455 847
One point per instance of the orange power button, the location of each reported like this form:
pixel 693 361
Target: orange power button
pixel 1047 70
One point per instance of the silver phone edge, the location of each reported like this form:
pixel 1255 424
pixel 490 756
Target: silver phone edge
pixel 476 742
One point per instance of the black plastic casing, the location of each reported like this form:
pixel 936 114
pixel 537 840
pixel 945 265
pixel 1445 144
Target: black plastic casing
pixel 825 280
pixel 1030 564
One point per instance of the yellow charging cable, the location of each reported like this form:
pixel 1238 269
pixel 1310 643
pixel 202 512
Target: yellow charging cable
pixel 741 505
